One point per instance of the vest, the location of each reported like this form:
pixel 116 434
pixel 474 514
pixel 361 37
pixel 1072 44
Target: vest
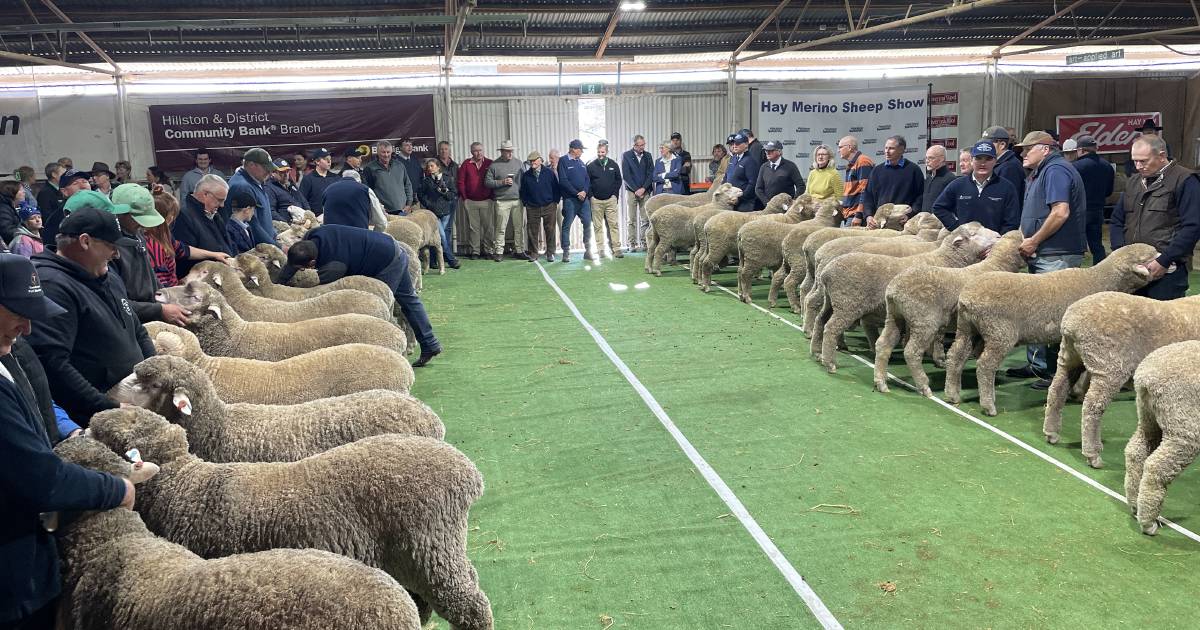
pixel 1152 213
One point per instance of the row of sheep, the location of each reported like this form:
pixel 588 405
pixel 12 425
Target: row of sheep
pixel 290 480
pixel 920 283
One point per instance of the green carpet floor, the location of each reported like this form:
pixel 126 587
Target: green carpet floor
pixel 898 512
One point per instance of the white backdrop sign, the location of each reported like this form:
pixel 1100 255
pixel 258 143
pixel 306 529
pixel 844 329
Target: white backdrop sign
pixel 19 132
pixel 805 119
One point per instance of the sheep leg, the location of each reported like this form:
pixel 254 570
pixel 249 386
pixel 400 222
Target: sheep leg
pixel 453 587
pixel 883 351
pixel 836 323
pixel 919 338
pixel 813 303
pixel 776 281
pixel 936 351
pixel 995 346
pixel 960 351
pixel 746 274
pixel 1069 362
pixel 1161 468
pixel 440 257
pixel 651 245
pixel 806 283
pixel 790 284
pixel 819 319
pixel 1102 389
pixel 1136 452
pixel 424 254
pixel 693 257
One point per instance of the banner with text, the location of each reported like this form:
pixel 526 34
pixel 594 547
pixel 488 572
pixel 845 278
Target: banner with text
pixel 803 120
pixel 1114 133
pixel 18 132
pixel 287 127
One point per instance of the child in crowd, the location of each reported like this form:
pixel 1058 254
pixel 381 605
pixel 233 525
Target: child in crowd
pixel 237 227
pixel 28 240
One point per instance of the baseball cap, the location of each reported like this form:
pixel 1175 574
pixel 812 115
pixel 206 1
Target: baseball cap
pixel 241 198
pixel 576 144
pixel 675 136
pixel 101 167
pixel 21 291
pixel 28 212
pixel 1086 142
pixel 983 147
pixel 533 155
pixel 602 143
pixel 280 165
pixel 773 145
pixel 996 133
pixel 69 176
pixel 259 156
pixel 1070 144
pixel 95 223
pixel 729 138
pixel 1037 137
pixel 353 152
pixel 739 138
pixel 320 153
pixel 94 199
pixel 140 202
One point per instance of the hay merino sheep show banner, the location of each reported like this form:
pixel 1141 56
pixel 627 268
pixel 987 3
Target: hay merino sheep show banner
pixel 804 120
pixel 286 127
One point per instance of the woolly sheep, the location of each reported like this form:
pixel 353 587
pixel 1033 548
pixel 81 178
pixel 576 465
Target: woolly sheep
pixel 275 259
pixel 222 332
pixel 1108 335
pixel 719 238
pixel 249 432
pixel 760 245
pixel 394 502
pixel 856 284
pixel 671 227
pixel 116 574
pixel 224 278
pixel 655 202
pixel 324 373
pixel 253 273
pixel 921 303
pixel 1167 437
pixel 1006 309
pixel 430 236
pixel 698 222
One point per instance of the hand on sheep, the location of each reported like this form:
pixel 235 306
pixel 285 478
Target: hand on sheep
pixel 872 224
pixel 175 314
pixel 856 221
pixel 1028 248
pixel 1156 270
pixel 220 256
pixel 130 495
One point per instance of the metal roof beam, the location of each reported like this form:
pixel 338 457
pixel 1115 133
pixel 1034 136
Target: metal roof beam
pixel 1104 40
pixel 464 11
pixel 53 62
pixel 1036 27
pixel 87 40
pixel 608 32
pixel 259 23
pixel 761 27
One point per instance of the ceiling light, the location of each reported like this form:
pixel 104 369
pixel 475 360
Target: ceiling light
pixel 633 5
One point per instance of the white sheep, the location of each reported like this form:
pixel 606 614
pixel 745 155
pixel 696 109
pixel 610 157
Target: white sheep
pixel 671 227
pixel 260 281
pixel 224 278
pixel 719 238
pixel 760 246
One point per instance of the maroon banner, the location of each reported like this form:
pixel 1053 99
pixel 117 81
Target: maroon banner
pixel 287 127
pixel 950 120
pixel 943 98
pixel 1114 133
pixel 949 143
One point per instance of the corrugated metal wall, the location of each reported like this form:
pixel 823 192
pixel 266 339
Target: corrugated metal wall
pixel 1010 101
pixel 627 116
pixel 702 120
pixel 478 121
pixel 543 123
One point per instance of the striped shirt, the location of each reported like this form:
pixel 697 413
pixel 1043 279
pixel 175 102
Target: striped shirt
pixel 858 169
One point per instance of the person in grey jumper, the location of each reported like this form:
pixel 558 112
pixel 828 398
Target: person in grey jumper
pixel 504 179
pixel 187 185
pixel 389 180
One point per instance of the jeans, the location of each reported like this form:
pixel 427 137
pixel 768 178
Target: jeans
pixel 573 207
pixel 395 275
pixel 445 225
pixel 1094 229
pixel 1172 286
pixel 1042 358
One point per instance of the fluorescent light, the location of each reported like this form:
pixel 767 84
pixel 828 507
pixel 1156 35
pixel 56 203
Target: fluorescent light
pixel 633 5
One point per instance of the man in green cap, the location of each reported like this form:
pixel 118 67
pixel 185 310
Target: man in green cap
pixel 252 177
pixel 133 206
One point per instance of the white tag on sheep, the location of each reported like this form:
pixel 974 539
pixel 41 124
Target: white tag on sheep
pixel 276 263
pixel 216 279
pixel 642 285
pixel 254 279
pixel 182 403
pixel 617 287
pixel 215 310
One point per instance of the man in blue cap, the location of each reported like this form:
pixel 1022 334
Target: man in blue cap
pixel 743 173
pixel 576 195
pixel 69 183
pixel 33 480
pixel 980 195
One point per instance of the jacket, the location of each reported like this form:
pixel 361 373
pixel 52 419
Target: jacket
pixel 437 194
pixel 899 183
pixel 261 227
pixel 1098 177
pixel 312 189
pixel 784 179
pixel 49 201
pixel 1165 214
pixel 637 172
pixel 935 183
pixel 26 243
pixel 239 236
pixel 347 202
pixel 996 208
pixel 1055 181
pixel 94 345
pixel 391 185
pixel 412 168
pixel 194 228
pixel 494 179
pixel 572 177
pixel 854 185
pixel 30 378
pixel 539 187
pixel 280 199
pixel 667 178
pixel 685 170
pixel 9 219
pixel 52 216
pixel 355 251
pixel 1008 166
pixel 471 180
pixel 743 173
pixel 604 176
pixel 137 272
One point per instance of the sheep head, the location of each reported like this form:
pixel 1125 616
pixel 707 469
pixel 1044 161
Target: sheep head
pixel 889 214
pixel 271 256
pixel 175 341
pixel 728 193
pixel 90 453
pixel 828 209
pixel 202 300
pixel 164 384
pixel 1131 263
pixel 252 270
pixel 280 226
pixel 972 239
pixel 127 428
pixel 1006 252
pixel 778 203
pixel 218 274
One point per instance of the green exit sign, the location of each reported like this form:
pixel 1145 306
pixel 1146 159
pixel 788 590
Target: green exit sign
pixel 1104 55
pixel 591 88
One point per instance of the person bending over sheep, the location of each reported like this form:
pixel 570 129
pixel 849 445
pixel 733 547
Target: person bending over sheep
pixel 338 250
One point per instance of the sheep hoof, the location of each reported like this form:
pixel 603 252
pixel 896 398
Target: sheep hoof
pixel 1052 438
pixel 771 303
pixel 1095 461
pixel 831 366
pixel 939 363
pixel 989 410
pixel 953 399
pixel 1150 528
pixel 745 298
pixel 657 274
pixel 705 288
pixel 881 387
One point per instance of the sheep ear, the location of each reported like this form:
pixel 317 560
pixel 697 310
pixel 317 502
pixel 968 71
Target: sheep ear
pixel 217 279
pixel 1142 271
pixel 182 402
pixel 215 310
pixel 254 279
pixel 143 472
pixel 958 240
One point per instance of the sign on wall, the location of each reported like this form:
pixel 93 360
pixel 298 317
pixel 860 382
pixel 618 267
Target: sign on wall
pixel 18 132
pixel 803 120
pixel 286 127
pixel 943 124
pixel 1114 133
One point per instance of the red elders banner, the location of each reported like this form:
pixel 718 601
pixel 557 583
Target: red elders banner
pixel 1113 132
pixel 286 127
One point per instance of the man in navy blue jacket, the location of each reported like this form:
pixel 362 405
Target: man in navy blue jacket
pixel 896 181
pixel 1097 176
pixel 637 173
pixel 256 168
pixel 743 173
pixel 33 480
pixel 576 195
pixel 540 194
pixel 1008 164
pixel 980 195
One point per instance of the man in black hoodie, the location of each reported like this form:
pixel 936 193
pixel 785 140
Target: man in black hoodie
pixel 605 176
pixel 98 341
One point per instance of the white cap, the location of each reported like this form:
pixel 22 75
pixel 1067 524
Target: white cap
pixel 1070 145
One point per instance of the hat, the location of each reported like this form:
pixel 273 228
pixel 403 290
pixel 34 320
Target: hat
pixel 94 199
pixel 773 145
pixel 602 143
pixel 69 176
pixel 101 167
pixel 320 153
pixel 996 133
pixel 729 138
pixel 1150 124
pixel 533 155
pixel 675 136
pixel 241 198
pixel 576 144
pixel 260 157
pixel 354 152
pixel 28 212
pixel 95 223
pixel 1086 142
pixel 983 147
pixel 281 165
pixel 1037 137
pixel 1070 145
pixel 140 202
pixel 739 138
pixel 21 291
pixel 507 145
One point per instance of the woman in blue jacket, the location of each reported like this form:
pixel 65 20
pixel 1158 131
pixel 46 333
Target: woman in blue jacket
pixel 666 172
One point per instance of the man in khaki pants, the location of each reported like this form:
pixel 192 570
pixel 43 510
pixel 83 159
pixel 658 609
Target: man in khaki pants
pixel 605 178
pixel 637 170
pixel 503 178
pixel 477 201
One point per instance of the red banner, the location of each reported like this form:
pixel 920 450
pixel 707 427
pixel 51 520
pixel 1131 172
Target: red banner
pixel 943 98
pixel 286 127
pixel 1114 133
pixel 949 143
pixel 950 120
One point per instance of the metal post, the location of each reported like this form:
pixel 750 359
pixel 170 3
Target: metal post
pixel 122 120
pixel 731 89
pixel 448 133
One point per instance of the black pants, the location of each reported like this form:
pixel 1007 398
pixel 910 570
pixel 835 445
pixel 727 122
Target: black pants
pixel 1172 286
pixel 41 619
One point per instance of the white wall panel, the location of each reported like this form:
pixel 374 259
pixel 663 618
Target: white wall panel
pixel 702 120
pixel 1011 101
pixel 478 121
pixel 627 116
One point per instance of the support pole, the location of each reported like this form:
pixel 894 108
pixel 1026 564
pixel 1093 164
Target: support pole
pixel 122 120
pixel 731 88
pixel 448 132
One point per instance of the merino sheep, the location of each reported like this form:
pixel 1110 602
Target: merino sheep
pixel 760 245
pixel 698 221
pixel 224 278
pixel 1006 309
pixel 222 332
pixel 253 273
pixel 324 373
pixel 116 574
pixel 921 303
pixel 719 238
pixel 1167 438
pixel 426 237
pixel 394 502
pixel 655 202
pixel 275 259
pixel 1108 335
pixel 249 432
pixel 856 284
pixel 671 227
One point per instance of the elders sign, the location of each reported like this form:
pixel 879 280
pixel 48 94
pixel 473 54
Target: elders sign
pixel 287 127
pixel 1114 133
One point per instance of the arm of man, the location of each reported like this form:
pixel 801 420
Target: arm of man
pixel 409 193
pixel 1059 213
pixel 490 179
pixel 331 271
pixel 66 426
pixel 917 190
pixel 868 199
pixel 797 179
pixel 1116 223
pixel 760 186
pixel 945 207
pixel 1012 212
pixel 377 218
pixel 461 181
pixel 1188 232
pixel 144 342
pixel 564 182
pixel 53 339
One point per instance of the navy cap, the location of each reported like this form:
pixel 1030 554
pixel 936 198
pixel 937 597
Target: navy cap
pixel 1086 142
pixel 773 145
pixel 729 138
pixel 21 291
pixel 320 153
pixel 675 136
pixel 996 133
pixel 576 144
pixel 746 132
pixel 96 223
pixel 282 164
pixel 740 138
pixel 69 176
pixel 983 147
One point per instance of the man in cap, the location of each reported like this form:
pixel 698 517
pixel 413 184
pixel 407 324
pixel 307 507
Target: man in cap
pixel 743 173
pixel 755 147
pixel 203 166
pixel 312 187
pixel 685 164
pixel 102 178
pixel 576 192
pixel 979 195
pixel 99 339
pixel 1070 149
pixel 1098 177
pixel 133 206
pixel 1161 207
pixel 539 194
pixel 69 183
pixel 503 179
pixel 1008 164
pixel 252 176
pixel 33 480
pixel 896 181
pixel 389 179
pixel 938 176
pixel 604 177
pixel 1052 220
pixel 282 194
pixel 858 172
pixel 352 160
pixel 637 173
pixel 777 175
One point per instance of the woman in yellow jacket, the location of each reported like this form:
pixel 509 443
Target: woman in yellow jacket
pixel 824 180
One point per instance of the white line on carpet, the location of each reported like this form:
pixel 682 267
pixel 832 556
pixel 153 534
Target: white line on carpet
pixel 789 572
pixel 998 431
